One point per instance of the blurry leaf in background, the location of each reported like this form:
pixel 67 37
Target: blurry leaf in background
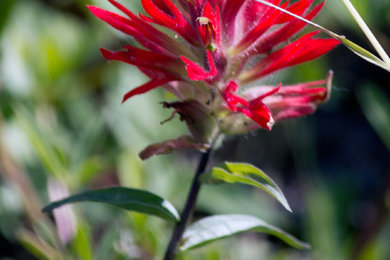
pixel 10 206
pixel 83 242
pixel 131 170
pixel 336 9
pixel 125 198
pixel 322 225
pixel 146 125
pixel 51 159
pixel 36 56
pixel 217 227
pixel 37 246
pixel 5 7
pixel 378 248
pixel 376 107
pixel 104 248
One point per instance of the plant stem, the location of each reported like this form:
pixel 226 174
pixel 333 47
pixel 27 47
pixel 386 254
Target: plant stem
pixel 188 208
pixel 370 36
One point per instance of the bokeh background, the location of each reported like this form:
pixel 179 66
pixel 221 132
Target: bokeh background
pixel 63 130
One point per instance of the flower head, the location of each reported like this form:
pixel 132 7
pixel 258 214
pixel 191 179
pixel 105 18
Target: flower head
pixel 224 45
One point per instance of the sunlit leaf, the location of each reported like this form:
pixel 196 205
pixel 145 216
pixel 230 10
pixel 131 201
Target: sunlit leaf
pixel 246 174
pixel 125 198
pixel 217 227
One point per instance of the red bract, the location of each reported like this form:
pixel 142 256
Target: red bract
pixel 224 45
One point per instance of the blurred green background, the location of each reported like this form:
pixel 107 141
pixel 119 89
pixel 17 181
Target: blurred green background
pixel 63 130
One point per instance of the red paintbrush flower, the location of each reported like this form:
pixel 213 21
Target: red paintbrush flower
pixel 267 104
pixel 225 45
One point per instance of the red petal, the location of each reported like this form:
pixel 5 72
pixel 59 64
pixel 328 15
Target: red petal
pixel 122 8
pixel 312 50
pixel 297 8
pixel 259 113
pixel 231 99
pixel 152 84
pixel 118 22
pixel 298 90
pixel 230 10
pixel 196 72
pixel 254 109
pixel 267 21
pixel 142 58
pixel 175 22
pixel 269 93
pixel 269 41
pixel 157 14
pixel 294 112
pixel 299 51
pixel 144 33
pixel 257 10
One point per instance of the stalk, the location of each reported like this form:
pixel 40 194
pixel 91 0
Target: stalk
pixel 370 36
pixel 188 208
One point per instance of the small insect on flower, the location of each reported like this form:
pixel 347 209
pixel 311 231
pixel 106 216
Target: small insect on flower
pixel 203 20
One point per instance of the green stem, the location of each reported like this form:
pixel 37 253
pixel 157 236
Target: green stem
pixel 370 36
pixel 188 208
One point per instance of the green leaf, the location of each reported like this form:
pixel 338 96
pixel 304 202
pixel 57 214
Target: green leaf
pixel 246 174
pixel 125 198
pixel 217 227
pixel 363 53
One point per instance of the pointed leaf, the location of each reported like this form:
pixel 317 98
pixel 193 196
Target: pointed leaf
pixel 246 174
pixel 363 53
pixel 217 227
pixel 125 198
